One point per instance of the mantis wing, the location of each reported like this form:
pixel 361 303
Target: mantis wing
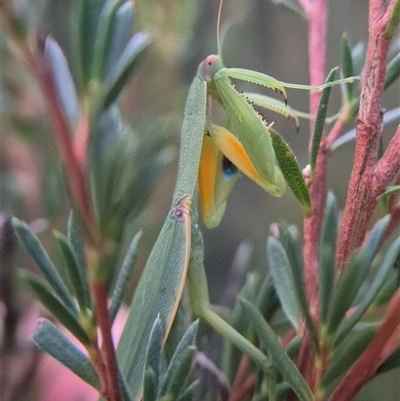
pixel 158 294
pixel 160 287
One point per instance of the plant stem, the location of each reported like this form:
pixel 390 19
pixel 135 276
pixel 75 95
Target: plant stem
pixel 317 16
pixel 375 353
pixel 74 157
pixel 100 296
pixel 365 185
pixel 312 225
pixel 73 167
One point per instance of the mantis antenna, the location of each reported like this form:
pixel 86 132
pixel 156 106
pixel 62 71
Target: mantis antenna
pixel 218 26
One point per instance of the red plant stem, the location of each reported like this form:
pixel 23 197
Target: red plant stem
pixel 365 184
pixel 312 229
pixel 317 27
pixel 100 296
pixel 312 225
pixel 98 363
pixel 244 389
pixel 317 16
pixel 74 170
pixel 334 133
pixel 375 353
pixel 241 372
pixel 388 164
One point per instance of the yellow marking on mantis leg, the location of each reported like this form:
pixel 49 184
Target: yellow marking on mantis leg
pixel 215 183
pixel 207 178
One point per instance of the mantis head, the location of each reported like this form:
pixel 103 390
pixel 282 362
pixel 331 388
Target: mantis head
pixel 209 67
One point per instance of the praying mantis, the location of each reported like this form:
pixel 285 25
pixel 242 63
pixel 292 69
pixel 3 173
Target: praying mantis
pixel 211 158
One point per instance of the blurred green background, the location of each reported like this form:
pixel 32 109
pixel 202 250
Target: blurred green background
pixel 261 37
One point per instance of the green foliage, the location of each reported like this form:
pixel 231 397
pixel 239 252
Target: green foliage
pixel 50 339
pixel 320 121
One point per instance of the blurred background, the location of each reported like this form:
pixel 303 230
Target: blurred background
pixel 261 37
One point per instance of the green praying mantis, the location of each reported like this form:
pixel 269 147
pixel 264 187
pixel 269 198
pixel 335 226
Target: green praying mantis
pixel 211 158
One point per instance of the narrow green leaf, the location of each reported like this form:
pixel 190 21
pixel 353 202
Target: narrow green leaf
pixel 293 346
pixel 388 117
pixel 208 367
pixel 120 36
pixel 278 355
pixel 75 238
pixel 149 386
pixel 345 355
pixel 291 171
pixel 386 266
pixel 63 82
pixel 153 358
pixel 283 279
pixel 391 362
pixel 124 387
pixel 54 306
pixel 191 139
pixel 394 21
pixel 124 275
pixel 140 170
pixel 180 373
pixel 343 294
pixel 370 248
pixel 87 33
pixel 183 319
pixel 386 293
pixel 320 120
pixel 108 128
pixel 394 189
pixel 346 65
pixel 124 68
pixel 166 268
pixel 293 250
pixel 187 394
pixel 327 252
pixel 293 7
pixel 358 57
pixel 103 38
pixel 290 279
pixel 50 339
pixel 267 301
pixel 75 41
pixel 78 280
pixel 282 390
pixel 43 262
pixel 240 322
pixel 392 70
pixel 187 341
pixel 353 275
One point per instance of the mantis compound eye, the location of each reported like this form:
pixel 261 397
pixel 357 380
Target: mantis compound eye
pixel 228 168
